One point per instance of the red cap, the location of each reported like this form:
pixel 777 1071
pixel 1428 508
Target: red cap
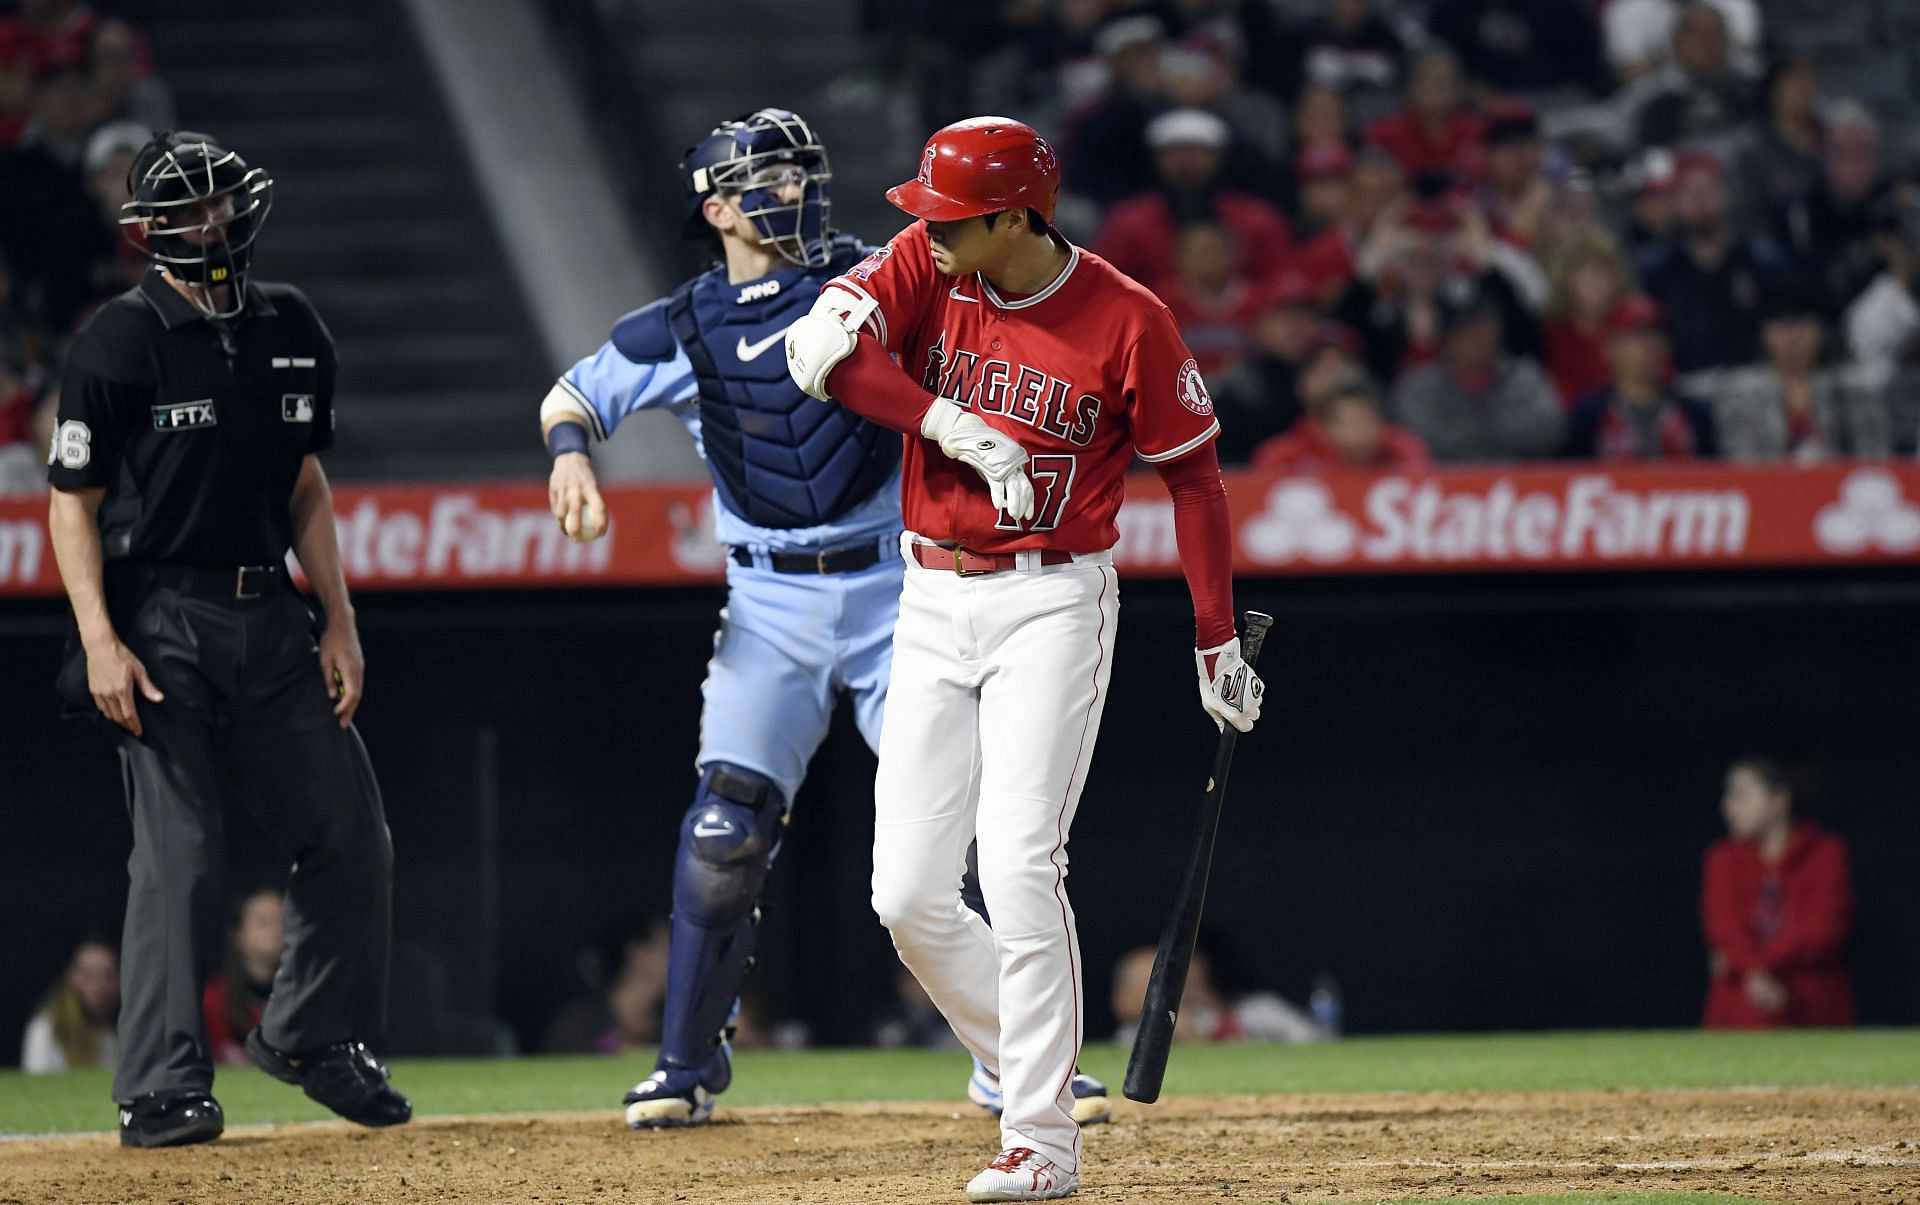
pixel 1636 312
pixel 979 166
pixel 1323 161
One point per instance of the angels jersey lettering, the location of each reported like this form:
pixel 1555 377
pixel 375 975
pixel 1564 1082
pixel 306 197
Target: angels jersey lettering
pixel 1086 374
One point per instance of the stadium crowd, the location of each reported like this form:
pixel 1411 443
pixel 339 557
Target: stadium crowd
pixel 1397 231
pixel 78 96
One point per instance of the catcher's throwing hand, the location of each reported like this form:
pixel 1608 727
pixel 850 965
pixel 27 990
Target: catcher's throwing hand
pixel 574 494
pixel 992 453
pixel 1229 689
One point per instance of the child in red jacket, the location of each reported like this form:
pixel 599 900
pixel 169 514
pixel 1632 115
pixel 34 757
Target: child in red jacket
pixel 1777 902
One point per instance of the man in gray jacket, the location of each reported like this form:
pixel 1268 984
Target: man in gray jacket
pixel 1475 403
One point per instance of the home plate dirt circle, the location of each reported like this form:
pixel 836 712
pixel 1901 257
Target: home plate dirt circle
pixel 1770 1144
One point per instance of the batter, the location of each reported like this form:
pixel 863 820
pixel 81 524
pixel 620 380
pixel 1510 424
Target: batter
pixel 1037 374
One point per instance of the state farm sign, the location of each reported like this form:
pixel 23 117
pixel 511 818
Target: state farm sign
pixel 459 538
pixel 1435 520
pixel 409 537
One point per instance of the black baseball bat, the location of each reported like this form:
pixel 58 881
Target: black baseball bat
pixel 1153 1041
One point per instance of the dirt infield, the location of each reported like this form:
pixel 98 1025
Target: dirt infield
pixel 1771 1144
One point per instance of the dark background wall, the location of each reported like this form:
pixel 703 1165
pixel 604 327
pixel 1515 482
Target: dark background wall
pixel 1480 804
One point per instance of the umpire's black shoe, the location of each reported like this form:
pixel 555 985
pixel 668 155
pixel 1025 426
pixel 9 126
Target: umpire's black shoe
pixel 175 1120
pixel 345 1077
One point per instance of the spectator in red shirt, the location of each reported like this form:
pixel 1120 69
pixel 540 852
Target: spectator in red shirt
pixel 1589 278
pixel 1639 416
pixel 1329 259
pixel 1515 192
pixel 1142 233
pixel 235 998
pixel 51 33
pixel 1776 903
pixel 1322 177
pixel 1345 429
pixel 1215 309
pixel 1436 133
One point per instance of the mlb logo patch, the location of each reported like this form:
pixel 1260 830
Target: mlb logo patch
pixel 296 407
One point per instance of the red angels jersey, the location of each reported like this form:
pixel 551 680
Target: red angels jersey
pixel 1086 374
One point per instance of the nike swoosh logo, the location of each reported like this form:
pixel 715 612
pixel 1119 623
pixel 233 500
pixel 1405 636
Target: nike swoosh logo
pixel 751 351
pixel 703 829
pixel 957 295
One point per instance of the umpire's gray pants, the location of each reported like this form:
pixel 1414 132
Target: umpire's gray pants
pixel 246 719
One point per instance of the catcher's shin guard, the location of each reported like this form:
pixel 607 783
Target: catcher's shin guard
pixel 727 841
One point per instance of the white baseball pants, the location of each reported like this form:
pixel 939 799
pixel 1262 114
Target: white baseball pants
pixel 998 685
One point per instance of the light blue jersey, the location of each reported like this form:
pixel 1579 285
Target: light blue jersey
pixel 614 386
pixel 788 642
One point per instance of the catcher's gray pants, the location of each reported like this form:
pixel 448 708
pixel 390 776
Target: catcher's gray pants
pixel 246 719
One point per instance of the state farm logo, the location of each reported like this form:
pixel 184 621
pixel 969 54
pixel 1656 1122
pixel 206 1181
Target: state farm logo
pixel 1300 521
pixel 460 538
pixel 1871 514
pixel 1587 517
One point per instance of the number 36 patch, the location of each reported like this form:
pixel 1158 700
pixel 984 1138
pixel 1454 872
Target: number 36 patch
pixel 72 446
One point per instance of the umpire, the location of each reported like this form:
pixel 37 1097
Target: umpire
pixel 184 466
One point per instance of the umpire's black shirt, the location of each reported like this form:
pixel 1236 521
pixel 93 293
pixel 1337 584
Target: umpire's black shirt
pixel 196 427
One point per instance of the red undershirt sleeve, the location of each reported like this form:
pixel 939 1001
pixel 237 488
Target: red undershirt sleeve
pixel 1203 528
pixel 869 383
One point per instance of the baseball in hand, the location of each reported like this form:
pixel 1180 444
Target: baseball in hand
pixel 586 522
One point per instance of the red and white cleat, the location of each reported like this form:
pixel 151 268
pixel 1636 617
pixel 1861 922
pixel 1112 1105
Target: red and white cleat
pixel 1020 1174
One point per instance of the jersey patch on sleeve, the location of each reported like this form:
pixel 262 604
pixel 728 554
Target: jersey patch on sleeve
pixel 1192 390
pixel 865 269
pixel 72 445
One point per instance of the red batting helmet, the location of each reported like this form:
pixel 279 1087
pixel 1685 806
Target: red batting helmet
pixel 978 166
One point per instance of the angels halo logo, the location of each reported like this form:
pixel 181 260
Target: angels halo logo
pixel 1192 390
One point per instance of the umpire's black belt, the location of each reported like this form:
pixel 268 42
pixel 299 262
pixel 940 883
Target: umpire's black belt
pixel 242 582
pixel 828 560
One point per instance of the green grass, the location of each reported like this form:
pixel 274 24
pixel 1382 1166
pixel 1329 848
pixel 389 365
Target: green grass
pixel 1482 1063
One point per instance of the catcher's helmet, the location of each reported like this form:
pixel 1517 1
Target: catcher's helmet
pixel 979 166
pixel 753 158
pixel 172 175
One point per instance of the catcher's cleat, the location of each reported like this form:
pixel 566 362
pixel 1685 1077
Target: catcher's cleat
pixel 676 1097
pixel 1090 1103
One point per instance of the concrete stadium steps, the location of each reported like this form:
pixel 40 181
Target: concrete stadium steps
pixel 403 435
pixel 689 85
pixel 377 217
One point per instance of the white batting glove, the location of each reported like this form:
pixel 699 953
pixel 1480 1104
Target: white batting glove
pixel 998 457
pixel 1229 689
